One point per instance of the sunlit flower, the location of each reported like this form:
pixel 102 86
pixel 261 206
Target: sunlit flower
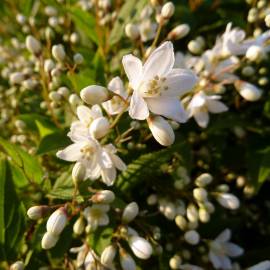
pixel 157 85
pixel 200 106
pixel 221 250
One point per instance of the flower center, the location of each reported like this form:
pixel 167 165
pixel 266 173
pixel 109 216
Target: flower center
pixel 87 152
pixel 218 248
pixel 154 87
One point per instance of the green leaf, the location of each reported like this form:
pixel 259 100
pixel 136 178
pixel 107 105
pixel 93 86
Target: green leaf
pixel 85 22
pixel 128 13
pixel 12 214
pixel 45 128
pixel 53 142
pixel 264 171
pixel 27 163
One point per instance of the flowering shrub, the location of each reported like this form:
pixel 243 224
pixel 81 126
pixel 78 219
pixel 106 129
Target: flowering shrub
pixel 134 134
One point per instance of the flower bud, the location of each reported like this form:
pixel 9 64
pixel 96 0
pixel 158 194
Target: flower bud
pixel 37 212
pixel 58 52
pixel 181 222
pixel 54 96
pixel 169 211
pixel 248 91
pixel 16 77
pixel 228 200
pixel 248 71
pixel 130 212
pixel 63 91
pixel 48 65
pixel 74 38
pixel 140 247
pixel 167 10
pixel 152 199
pixel 161 130
pixel 200 194
pixel 94 94
pixel 49 240
pixel 132 31
pixel 179 32
pixel 79 226
pixel 204 215
pixel 99 127
pixel 126 261
pixel 78 58
pixel 78 173
pixel 29 84
pixel 192 213
pixel 192 237
pixel 32 45
pixel 108 255
pixel 255 53
pixel 203 180
pixel 19 265
pixel 74 100
pixel 195 46
pixel 103 196
pixel 267 20
pixel 175 262
pixel 21 19
pixel 57 221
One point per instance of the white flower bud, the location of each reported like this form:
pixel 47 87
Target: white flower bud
pixel 209 207
pixel 16 77
pixel 108 255
pixel 37 212
pixel 29 84
pixel 21 19
pixel 248 91
pixel 63 91
pixel 48 65
pixel 49 240
pixel 99 127
pixel 167 10
pixel 79 226
pixel 94 94
pixel 192 213
pixel 169 211
pixel 132 31
pixel 78 58
pixel 192 237
pixel 74 38
pixel 228 200
pixel 78 173
pixel 50 11
pixel 255 53
pixel 179 31
pixel 58 52
pixel 103 196
pixel 152 199
pixel 54 96
pixel 126 261
pixel 74 100
pixel 161 130
pixel 53 22
pixel 181 222
pixel 200 194
pixel 57 221
pixel 32 45
pixel 195 46
pixel 19 265
pixel 204 215
pixel 267 20
pixel 140 247
pixel 175 262
pixel 203 180
pixel 130 212
pixel 248 71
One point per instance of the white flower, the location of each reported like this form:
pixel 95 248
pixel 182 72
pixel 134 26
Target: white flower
pixel 228 200
pixel 157 85
pixel 265 265
pixel 201 104
pixel 98 160
pixel 116 104
pixel 147 30
pixel 81 254
pixel 96 215
pixel 221 250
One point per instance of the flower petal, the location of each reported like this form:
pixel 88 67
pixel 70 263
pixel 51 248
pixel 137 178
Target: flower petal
pixel 215 106
pixel 71 152
pixel 108 176
pixel 225 262
pixel 116 85
pixel 84 114
pixel 202 118
pixel 133 68
pixel 118 162
pixel 224 236
pixel 168 107
pixel 138 107
pixel 233 250
pixel 103 220
pixel 215 260
pixel 160 62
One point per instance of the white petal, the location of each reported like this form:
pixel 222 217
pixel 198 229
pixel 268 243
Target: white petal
pixel 168 107
pixel 179 82
pixel 84 114
pixel 198 100
pixel 105 160
pixel 118 162
pixel 202 118
pixel 96 111
pixel 265 265
pixel 215 106
pixel 133 68
pixel 233 250
pixel 138 107
pixel 71 153
pixel 108 176
pixel 215 260
pixel 78 132
pixel 224 236
pixel 103 220
pixel 225 262
pixel 116 85
pixel 160 62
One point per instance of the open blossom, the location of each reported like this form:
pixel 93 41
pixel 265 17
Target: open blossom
pixel 116 105
pixel 221 250
pixel 98 160
pixel 200 106
pixel 156 85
